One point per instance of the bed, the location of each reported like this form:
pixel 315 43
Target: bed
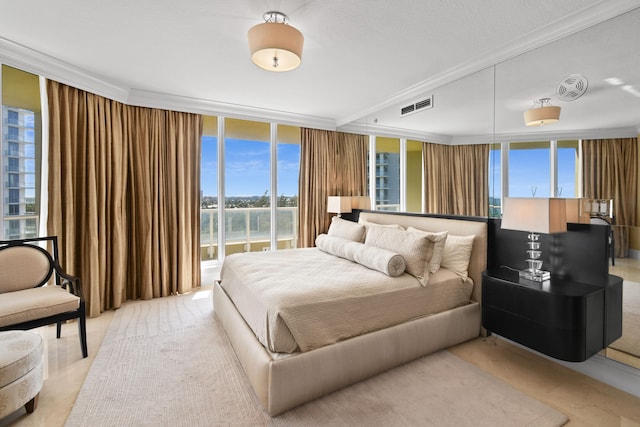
pixel 298 346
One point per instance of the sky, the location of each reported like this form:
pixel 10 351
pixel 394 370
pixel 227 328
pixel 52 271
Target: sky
pixel 247 168
pixel 529 172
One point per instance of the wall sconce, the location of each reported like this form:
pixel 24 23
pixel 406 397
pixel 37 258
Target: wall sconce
pixel 338 204
pixel 534 215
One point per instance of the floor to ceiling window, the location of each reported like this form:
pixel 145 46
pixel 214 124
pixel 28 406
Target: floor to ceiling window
pixel 247 189
pixel 288 169
pixel 568 169
pixel 20 156
pixel 495 180
pixel 530 169
pixel 414 176
pixel 533 169
pixel 387 178
pixel 209 190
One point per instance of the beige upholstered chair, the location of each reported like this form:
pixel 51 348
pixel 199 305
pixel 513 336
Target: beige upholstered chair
pixel 29 296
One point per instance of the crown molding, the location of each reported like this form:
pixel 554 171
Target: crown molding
pixel 32 61
pixel 165 101
pixel 546 34
pixel 372 129
pixel 607 133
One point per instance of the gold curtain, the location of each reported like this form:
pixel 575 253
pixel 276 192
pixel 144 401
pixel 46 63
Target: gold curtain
pixel 331 163
pixel 124 190
pixel 610 171
pixel 456 179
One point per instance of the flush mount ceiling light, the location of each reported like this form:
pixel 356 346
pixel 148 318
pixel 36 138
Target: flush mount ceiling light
pixel 541 113
pixel 275 45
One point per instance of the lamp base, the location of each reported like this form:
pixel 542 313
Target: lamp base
pixel 535 275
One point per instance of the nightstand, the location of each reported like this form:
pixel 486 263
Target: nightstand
pixel 564 319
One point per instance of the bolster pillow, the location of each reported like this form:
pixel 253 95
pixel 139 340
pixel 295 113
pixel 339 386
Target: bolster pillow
pixel 373 257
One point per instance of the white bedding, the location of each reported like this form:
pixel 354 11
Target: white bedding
pixel 301 299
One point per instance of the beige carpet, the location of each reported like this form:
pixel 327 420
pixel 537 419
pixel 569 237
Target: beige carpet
pixel 166 362
pixel 630 341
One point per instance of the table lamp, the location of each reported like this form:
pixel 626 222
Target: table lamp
pixel 534 215
pixel 338 204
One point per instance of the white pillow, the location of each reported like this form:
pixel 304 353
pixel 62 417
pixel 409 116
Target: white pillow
pixel 457 252
pixel 416 249
pixel 438 248
pixel 346 229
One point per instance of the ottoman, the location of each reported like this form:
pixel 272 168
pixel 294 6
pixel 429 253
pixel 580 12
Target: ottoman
pixel 21 370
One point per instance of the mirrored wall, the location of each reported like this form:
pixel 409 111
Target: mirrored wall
pixel 544 161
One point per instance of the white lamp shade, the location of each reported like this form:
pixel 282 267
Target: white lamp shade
pixel 538 215
pixel 360 202
pixel 542 116
pixel 338 204
pixel 271 40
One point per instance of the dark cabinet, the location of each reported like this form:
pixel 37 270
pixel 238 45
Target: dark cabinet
pixel 564 319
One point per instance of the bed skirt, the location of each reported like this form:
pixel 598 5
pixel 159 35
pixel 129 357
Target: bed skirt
pixel 282 382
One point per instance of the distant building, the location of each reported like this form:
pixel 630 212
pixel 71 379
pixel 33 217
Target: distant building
pixel 388 179
pixel 18 159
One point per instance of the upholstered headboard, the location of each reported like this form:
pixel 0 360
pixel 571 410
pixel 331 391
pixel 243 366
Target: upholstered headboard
pixel 458 226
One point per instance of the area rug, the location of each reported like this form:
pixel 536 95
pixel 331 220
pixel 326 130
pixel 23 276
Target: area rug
pixel 630 341
pixel 167 362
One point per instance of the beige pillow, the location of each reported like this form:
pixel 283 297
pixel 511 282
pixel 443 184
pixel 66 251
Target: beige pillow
pixel 382 260
pixel 346 229
pixel 438 248
pixel 457 252
pixel 375 224
pixel 416 249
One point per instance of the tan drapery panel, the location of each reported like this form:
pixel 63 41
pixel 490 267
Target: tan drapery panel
pixel 124 186
pixel 610 171
pixel 331 163
pixel 456 179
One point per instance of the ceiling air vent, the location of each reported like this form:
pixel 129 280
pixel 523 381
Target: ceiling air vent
pixel 572 87
pixel 417 106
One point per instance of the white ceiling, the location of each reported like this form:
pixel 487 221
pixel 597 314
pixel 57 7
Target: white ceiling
pixel 362 60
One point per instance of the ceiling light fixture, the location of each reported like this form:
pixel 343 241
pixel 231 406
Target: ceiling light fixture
pixel 275 45
pixel 541 113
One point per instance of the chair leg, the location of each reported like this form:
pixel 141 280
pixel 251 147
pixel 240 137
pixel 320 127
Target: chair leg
pixel 31 405
pixel 58 329
pixel 82 330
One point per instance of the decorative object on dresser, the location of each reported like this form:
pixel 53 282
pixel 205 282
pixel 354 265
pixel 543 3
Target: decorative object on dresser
pixel 534 215
pixel 576 314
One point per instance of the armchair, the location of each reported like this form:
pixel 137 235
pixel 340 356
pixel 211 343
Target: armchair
pixel 29 298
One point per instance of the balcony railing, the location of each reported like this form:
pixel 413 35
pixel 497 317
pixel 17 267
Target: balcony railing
pixel 247 230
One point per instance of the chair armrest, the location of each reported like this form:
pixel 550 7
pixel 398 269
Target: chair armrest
pixel 70 281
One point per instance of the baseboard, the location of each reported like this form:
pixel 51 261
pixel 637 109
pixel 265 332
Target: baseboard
pixel 601 368
pixel 634 253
